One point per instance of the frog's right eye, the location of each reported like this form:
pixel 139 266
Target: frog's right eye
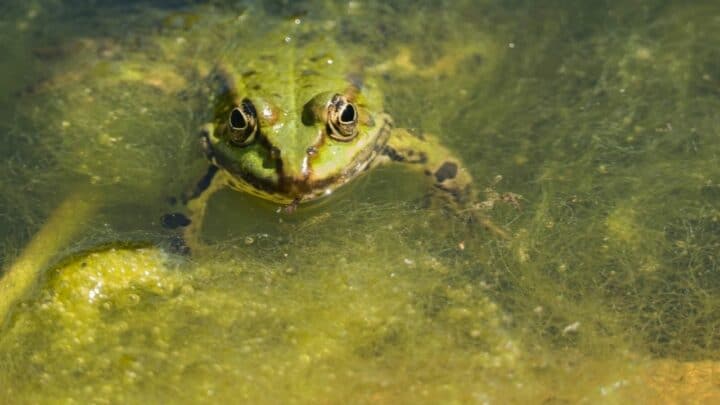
pixel 243 123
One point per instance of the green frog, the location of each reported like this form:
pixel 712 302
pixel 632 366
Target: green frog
pixel 293 120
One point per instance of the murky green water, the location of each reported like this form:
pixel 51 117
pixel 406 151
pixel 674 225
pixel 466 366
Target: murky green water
pixel 602 115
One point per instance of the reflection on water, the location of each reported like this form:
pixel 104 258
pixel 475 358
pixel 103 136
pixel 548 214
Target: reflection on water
pixel 603 116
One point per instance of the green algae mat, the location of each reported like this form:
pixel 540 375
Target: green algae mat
pixel 590 130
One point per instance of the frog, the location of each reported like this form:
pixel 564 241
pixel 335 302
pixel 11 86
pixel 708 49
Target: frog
pixel 297 119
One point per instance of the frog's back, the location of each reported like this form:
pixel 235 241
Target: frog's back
pixel 291 62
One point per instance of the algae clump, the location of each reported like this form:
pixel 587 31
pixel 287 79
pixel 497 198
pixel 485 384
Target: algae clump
pixel 108 322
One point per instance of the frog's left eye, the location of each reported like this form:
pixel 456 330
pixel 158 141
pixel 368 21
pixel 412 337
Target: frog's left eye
pixel 243 123
pixel 342 118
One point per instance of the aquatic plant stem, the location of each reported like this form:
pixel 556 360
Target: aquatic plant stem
pixel 62 225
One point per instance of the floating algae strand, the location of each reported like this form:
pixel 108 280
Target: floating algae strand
pixel 63 225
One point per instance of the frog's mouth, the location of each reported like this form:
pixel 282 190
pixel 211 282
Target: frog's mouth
pixel 290 191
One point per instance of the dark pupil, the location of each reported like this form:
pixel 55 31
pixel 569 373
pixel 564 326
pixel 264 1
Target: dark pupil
pixel 237 120
pixel 348 114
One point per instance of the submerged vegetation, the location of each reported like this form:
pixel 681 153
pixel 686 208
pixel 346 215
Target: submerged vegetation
pixel 603 116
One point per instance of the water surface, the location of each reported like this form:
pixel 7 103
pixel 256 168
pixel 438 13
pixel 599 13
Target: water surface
pixel 601 115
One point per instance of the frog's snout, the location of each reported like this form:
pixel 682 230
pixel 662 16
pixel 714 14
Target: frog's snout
pixel 296 171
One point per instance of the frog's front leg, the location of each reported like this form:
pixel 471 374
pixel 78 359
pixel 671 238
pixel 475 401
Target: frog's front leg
pixel 451 180
pixel 196 204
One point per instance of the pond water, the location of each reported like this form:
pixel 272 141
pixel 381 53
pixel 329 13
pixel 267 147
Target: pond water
pixel 602 116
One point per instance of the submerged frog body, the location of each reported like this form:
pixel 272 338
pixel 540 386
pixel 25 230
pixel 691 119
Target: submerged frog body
pixel 296 118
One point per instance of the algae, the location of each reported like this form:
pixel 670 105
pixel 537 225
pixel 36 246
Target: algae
pixel 602 115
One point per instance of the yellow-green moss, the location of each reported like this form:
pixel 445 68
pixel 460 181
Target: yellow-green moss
pixel 602 115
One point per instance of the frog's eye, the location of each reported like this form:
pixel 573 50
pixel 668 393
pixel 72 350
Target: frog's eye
pixel 342 118
pixel 243 123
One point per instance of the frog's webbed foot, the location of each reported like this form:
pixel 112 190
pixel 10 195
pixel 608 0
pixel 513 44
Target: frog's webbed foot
pixel 196 200
pixel 452 182
pixel 492 198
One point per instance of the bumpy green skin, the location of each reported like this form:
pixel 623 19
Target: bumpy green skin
pixel 290 78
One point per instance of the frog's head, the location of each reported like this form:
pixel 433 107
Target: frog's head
pixel 291 141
